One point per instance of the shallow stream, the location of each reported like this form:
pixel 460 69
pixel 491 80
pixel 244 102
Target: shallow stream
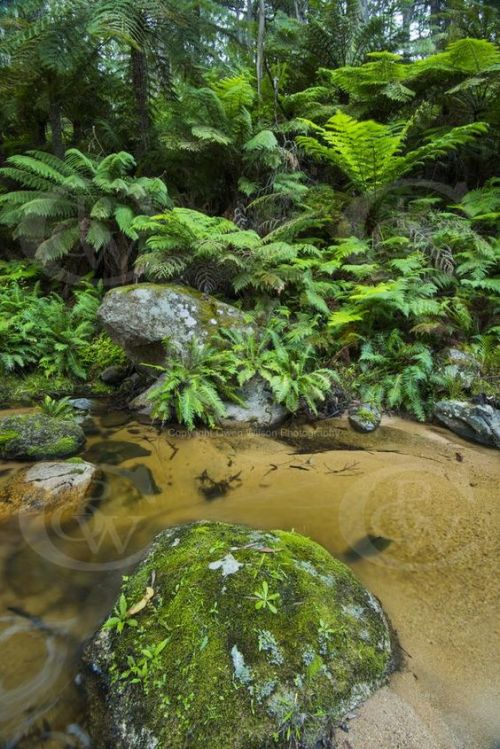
pixel 412 509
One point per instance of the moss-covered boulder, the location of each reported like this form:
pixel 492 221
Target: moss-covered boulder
pixel 234 639
pixel 38 437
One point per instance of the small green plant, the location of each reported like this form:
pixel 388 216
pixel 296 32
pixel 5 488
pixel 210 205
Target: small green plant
pixel 264 599
pixel 139 668
pixel 59 409
pixel 121 618
pixel 101 352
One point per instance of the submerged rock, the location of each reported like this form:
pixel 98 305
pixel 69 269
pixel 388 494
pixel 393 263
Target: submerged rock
pixel 49 486
pixel 364 418
pixel 249 638
pixel 259 409
pixel 140 317
pixel 38 437
pixel 477 422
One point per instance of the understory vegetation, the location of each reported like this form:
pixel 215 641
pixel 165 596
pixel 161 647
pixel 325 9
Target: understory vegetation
pixel 340 188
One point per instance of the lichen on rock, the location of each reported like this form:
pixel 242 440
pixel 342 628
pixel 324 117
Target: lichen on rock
pixel 252 656
pixel 142 316
pixel 38 437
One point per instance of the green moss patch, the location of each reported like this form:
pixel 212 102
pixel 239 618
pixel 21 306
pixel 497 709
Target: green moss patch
pixel 251 640
pixel 38 437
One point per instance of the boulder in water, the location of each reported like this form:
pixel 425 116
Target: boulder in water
pixel 477 422
pixel 364 418
pixel 241 639
pixel 39 437
pixel 45 487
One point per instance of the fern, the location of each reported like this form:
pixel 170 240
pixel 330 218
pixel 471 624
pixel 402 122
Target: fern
pixel 76 200
pixel 371 154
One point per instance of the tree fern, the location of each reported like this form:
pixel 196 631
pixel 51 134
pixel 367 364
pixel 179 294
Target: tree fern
pixel 77 200
pixel 372 155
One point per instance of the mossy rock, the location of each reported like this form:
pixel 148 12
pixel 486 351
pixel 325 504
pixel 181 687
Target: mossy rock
pixel 38 437
pixel 231 675
pixel 142 316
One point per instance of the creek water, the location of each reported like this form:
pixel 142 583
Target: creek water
pixel 412 509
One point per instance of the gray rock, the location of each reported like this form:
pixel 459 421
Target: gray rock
pixel 38 437
pixel 364 418
pixel 480 423
pixel 140 317
pixel 141 402
pixel 260 409
pixel 49 486
pixel 81 404
pixel 462 366
pixel 114 375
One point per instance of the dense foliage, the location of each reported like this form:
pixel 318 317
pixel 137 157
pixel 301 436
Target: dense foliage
pixel 328 166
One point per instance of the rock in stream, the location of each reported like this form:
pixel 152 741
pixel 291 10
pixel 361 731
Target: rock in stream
pixel 242 636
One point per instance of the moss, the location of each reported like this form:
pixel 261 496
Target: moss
pixel 101 352
pixel 368 415
pixel 32 388
pixel 38 436
pixel 233 676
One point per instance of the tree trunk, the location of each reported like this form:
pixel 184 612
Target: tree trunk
pixel 140 88
pixel 41 132
pixel 55 120
pixel 260 46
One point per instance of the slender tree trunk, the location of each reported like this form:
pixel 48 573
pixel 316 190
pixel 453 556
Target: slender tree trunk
pixel 41 132
pixel 55 120
pixel 140 87
pixel 260 46
pixel 77 132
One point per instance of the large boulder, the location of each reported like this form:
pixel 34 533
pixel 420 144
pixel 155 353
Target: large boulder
pixel 39 437
pixel 45 487
pixel 230 638
pixel 140 317
pixel 477 422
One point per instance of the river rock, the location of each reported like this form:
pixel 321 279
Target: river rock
pixel 49 486
pixel 38 437
pixel 246 635
pixel 364 418
pixel 477 422
pixel 259 410
pixel 140 317
pixel 114 375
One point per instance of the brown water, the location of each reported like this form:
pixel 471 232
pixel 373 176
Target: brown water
pixel 414 513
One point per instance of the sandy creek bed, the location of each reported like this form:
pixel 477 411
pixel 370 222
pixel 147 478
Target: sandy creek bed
pixel 412 509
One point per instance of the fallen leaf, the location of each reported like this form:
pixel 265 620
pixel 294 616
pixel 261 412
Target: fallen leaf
pixel 140 605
